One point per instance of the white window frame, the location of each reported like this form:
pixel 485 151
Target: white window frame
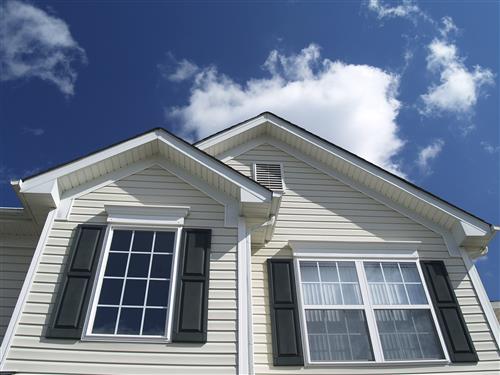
pixel 368 309
pixel 282 171
pixel 96 288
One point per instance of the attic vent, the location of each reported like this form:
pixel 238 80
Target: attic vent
pixel 269 175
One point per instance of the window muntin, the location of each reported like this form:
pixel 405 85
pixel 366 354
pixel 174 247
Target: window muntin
pixel 338 335
pixel 395 320
pixel 392 283
pixel 133 297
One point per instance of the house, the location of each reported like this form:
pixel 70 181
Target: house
pixel 262 249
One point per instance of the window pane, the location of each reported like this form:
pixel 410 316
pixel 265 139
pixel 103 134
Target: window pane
pixel 121 240
pixel 154 322
pixel 105 320
pixel 161 266
pixel 312 294
pixel 352 294
pixel 135 291
pixel 328 272
pixel 332 294
pixel 373 272
pixel 111 291
pixel 338 335
pixel 117 263
pixel 138 265
pixel 164 242
pixel 408 335
pixel 391 272
pixel 130 321
pixel 397 294
pixel 143 241
pixel 416 294
pixel 158 293
pixel 378 294
pixel 410 272
pixel 347 271
pixel 309 271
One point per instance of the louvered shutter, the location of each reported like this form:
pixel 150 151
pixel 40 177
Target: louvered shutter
pixel 73 297
pixel 285 326
pixel 451 320
pixel 191 306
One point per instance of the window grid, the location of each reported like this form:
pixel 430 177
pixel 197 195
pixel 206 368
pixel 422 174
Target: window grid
pixel 144 307
pixel 340 283
pixel 370 308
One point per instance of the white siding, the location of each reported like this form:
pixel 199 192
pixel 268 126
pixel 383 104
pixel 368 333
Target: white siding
pixel 32 353
pixel 15 258
pixel 317 207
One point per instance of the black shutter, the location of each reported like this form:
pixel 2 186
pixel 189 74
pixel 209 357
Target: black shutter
pixel 451 320
pixel 76 283
pixel 191 306
pixel 285 326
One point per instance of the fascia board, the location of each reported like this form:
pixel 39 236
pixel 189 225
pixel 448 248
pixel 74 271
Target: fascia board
pixel 45 183
pixel 203 145
pixel 31 183
pixel 249 186
pixel 384 176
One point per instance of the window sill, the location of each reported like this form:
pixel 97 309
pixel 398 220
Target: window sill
pixel 378 364
pixel 126 339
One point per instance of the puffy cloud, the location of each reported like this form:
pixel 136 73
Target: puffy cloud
pixel 429 153
pixel 459 87
pixel 183 71
pixel 489 148
pixel 354 106
pixel 405 9
pixel 36 44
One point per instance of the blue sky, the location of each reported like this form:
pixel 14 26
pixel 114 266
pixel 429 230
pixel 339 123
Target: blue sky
pixel 410 86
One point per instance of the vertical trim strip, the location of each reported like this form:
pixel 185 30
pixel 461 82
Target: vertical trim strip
pixel 28 281
pixel 245 337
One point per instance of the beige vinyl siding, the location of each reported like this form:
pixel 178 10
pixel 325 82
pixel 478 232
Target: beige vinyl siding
pixel 317 207
pixel 15 258
pixel 32 353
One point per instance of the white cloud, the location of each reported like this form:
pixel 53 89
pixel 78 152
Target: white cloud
pixel 405 9
pixel 459 87
pixel 429 153
pixel 489 148
pixel 185 70
pixel 34 131
pixel 36 44
pixel 354 106
pixel 448 27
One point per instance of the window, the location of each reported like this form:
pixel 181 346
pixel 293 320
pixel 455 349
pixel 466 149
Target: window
pixel 362 311
pixel 269 175
pixel 133 293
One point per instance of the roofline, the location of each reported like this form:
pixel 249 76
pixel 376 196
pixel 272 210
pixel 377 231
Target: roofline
pixel 346 151
pixel 156 129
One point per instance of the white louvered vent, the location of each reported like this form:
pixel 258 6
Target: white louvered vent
pixel 269 175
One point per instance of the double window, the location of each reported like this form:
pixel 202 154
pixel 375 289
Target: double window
pixel 362 311
pixel 133 293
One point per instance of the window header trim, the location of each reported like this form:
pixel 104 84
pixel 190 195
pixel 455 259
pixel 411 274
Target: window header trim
pixel 146 215
pixel 354 250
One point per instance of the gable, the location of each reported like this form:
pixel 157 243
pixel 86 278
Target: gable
pixel 150 186
pixel 328 209
pixel 460 228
